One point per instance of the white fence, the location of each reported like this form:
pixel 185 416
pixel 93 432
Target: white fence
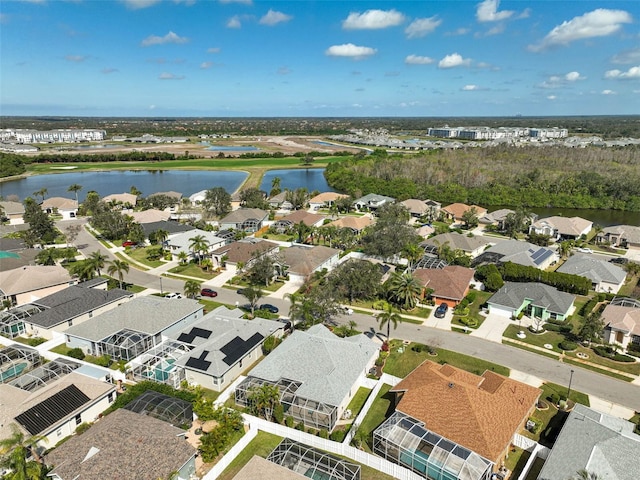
pixel 230 456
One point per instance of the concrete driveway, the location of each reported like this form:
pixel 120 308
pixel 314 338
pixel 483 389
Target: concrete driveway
pixel 493 327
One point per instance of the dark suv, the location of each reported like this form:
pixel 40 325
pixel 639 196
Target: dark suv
pixel 441 310
pixel 207 292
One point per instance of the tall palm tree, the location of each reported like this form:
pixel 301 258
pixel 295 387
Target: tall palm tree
pixel 15 450
pixel 191 288
pixel 198 245
pixel 75 188
pixel 183 257
pixel 161 237
pixel 404 289
pixel 41 193
pixel 97 260
pixel 412 253
pixel 388 317
pixel 119 267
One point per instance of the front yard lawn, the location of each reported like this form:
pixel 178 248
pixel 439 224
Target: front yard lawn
pixel 262 445
pixel 193 270
pixel 381 408
pixel 239 282
pixel 140 255
pixel 551 338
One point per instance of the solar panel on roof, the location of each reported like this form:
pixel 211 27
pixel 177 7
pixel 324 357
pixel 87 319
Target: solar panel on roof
pixel 237 347
pixel 199 362
pixel 195 332
pixel 543 257
pixel 538 253
pixel 51 410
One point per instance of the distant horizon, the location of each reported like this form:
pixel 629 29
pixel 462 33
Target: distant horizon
pixel 319 59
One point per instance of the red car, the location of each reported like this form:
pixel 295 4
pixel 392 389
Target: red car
pixel 129 243
pixel 207 292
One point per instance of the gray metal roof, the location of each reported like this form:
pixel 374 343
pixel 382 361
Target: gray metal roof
pixel 594 269
pixel 150 315
pixel 512 294
pixel 327 365
pixel 599 443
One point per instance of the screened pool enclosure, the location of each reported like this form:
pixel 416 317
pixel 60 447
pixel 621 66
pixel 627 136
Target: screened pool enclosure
pixel 178 413
pixel 158 364
pixel 126 345
pixel 16 360
pixel 12 320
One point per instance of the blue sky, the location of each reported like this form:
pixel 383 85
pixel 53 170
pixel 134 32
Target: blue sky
pixel 319 58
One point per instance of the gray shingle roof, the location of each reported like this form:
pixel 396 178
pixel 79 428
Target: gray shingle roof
pixel 594 269
pixel 512 294
pixel 327 365
pixel 150 315
pixel 596 442
pixel 243 214
pixel 522 253
pixel 456 240
pixel 304 260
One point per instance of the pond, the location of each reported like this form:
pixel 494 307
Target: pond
pixel 293 178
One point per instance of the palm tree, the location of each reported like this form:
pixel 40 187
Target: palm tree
pixel 191 288
pixel 404 290
pixel 75 188
pixel 183 257
pixel 564 248
pixel 119 267
pixel 585 475
pixel 198 245
pixel 15 451
pixel 388 317
pixel 412 253
pixel 97 260
pixel 47 257
pixel 161 237
pixel 275 186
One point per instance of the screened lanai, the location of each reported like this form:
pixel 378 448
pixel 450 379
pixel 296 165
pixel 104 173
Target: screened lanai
pixel 45 374
pixel 126 345
pixel 172 410
pixel 16 360
pixel 12 321
pixel 158 364
pixel 310 412
pixel 312 463
pixel 406 441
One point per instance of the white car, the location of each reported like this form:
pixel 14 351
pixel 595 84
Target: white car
pixel 584 250
pixel 173 295
pixel 347 310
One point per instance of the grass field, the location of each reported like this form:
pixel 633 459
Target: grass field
pixel 193 270
pixel 380 409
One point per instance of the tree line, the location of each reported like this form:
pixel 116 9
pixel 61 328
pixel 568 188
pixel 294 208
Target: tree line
pixel 11 164
pixel 55 157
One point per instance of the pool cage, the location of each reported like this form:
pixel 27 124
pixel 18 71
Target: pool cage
pixel 12 321
pixel 404 440
pixel 163 407
pixel 45 374
pixel 310 412
pixel 126 345
pixel 158 364
pixel 312 463
pixel 16 360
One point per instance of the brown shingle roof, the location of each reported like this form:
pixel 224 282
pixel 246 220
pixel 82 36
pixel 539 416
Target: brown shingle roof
pixel 242 250
pixel 481 413
pixel 309 219
pixel 327 197
pixel 355 223
pixel 457 209
pixel 449 282
pixel 622 318
pixel 305 260
pixel 32 277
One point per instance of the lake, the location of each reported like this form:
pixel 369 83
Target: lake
pixel 292 178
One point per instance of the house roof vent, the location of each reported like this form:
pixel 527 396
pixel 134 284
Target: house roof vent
pixel 451 384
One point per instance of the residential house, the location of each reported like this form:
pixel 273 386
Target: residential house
pixel 622 323
pixel 174 196
pixel 125 200
pixel 183 242
pixel 425 231
pixel 28 283
pixel 280 202
pixel 198 197
pixel 561 228
pixel 65 207
pixel 135 327
pixel 605 276
pixel 248 220
pixel 422 208
pixel 300 261
pixel 456 211
pixel 371 202
pixel 471 246
pixel 536 300
pixel 355 224
pixel 449 284
pixel 521 253
pixel 325 200
pixel 497 217
pixel 12 211
pixel 127 446
pixel 171 227
pixel 48 316
pixel 294 218
pixel 317 374
pixel 243 251
pixel 452 424
pixel 626 236
pixel 601 444
pixel 150 216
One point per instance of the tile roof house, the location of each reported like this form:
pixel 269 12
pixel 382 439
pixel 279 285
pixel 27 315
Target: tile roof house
pixel 31 282
pixel 63 206
pixel 280 201
pixel 181 242
pixel 449 284
pixel 150 216
pixel 372 201
pixel 309 219
pixel 302 261
pixel 455 211
pixel 622 324
pixel 420 208
pixel 325 200
pixel 245 219
pixel 317 374
pixel 598 443
pixel 481 413
pixel 627 236
pixel 13 211
pixel 127 446
pixel 243 251
pixel 561 227
pixel 357 224
pixel 536 300
pixel 472 246
pixel 124 199
pixel 605 276
pixel 521 253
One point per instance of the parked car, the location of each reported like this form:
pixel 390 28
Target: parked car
pixel 288 327
pixel 173 295
pixel 584 250
pixel 207 292
pixel 129 243
pixel 347 310
pixel 240 291
pixel 269 308
pixel 441 311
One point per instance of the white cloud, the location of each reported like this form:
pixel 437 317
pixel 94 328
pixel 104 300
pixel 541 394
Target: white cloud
pixel 551 97
pixel 214 50
pixel 598 23
pixel 470 88
pixel 273 18
pixel 138 4
pixel 626 57
pixel 373 20
pixel 633 72
pixel 560 81
pixel 350 50
pixel 206 65
pixel 608 92
pixel 573 77
pixel 488 12
pixel 283 71
pixel 458 31
pixel 418 60
pixel 170 76
pixel 234 22
pixel 107 71
pixel 454 60
pixel 75 58
pixel 168 38
pixel 421 27
pixel 243 2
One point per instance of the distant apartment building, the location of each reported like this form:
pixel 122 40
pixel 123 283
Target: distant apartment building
pixel 487 133
pixel 554 132
pixel 60 135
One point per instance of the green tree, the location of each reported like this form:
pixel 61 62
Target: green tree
pixel 15 452
pixel 40 224
pixel 470 218
pixel 41 193
pixel 253 198
pixel 263 400
pixel 217 201
pixel 356 279
pixel 75 188
pixel 592 328
pixel 46 257
pixel 161 237
pixel 275 186
pixel 391 234
pixel 262 268
pixel 84 269
pixel 301 231
pixel 118 267
pixel 387 318
pixel 199 245
pixel 404 290
pixel 413 253
pixel 97 259
pixel 183 257
pixel 565 247
pixel 191 288
pixel 297 198
pixel 253 295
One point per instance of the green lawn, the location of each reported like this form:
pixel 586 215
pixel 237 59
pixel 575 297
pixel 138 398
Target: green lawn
pixel 140 255
pixel 358 401
pixel 474 310
pixel 401 364
pixel 629 286
pixel 128 260
pixel 632 368
pixel 593 368
pixel 193 270
pixel 262 446
pixel 237 282
pixel 210 304
pixel 552 338
pixel 529 349
pixel 381 408
pixel 32 342
pixel 61 349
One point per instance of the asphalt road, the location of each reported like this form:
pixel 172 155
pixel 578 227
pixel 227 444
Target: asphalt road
pixel 586 381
